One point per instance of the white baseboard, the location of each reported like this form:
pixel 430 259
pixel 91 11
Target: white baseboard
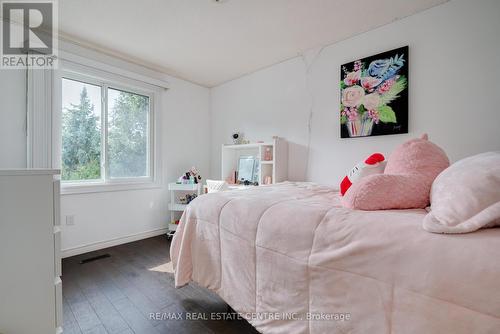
pixel 110 243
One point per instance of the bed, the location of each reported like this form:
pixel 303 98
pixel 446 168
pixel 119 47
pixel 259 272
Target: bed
pixel 290 259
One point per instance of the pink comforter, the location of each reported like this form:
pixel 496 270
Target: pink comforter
pixel 292 260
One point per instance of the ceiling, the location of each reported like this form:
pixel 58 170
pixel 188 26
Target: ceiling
pixel 209 42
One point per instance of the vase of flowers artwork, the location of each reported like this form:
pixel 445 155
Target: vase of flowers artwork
pixel 374 95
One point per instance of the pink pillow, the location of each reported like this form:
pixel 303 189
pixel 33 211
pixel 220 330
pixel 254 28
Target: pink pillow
pixel 406 181
pixel 466 196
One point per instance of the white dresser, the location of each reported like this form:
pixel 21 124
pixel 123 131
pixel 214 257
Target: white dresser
pixel 30 244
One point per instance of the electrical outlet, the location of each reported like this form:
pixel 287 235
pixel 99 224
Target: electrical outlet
pixel 70 220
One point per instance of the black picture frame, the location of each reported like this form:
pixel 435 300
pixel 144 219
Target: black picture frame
pixel 384 74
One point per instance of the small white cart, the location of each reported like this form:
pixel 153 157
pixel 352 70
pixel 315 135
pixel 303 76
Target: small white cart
pixel 174 206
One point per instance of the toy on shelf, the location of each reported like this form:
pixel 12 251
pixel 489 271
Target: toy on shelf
pixel 239 139
pixel 268 154
pixel 186 199
pixel 172 227
pixel 192 176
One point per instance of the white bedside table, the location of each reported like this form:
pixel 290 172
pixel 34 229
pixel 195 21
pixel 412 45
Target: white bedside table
pixel 174 207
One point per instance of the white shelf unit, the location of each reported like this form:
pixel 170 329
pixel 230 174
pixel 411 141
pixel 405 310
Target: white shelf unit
pixel 175 207
pixel 277 168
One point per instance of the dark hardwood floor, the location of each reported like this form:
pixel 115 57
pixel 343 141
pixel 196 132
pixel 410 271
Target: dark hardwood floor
pixel 118 294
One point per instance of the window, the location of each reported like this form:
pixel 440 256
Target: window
pixel 81 131
pixel 127 134
pixel 106 132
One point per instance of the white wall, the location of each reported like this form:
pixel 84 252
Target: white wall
pixel 12 118
pixel 114 217
pixel 454 96
pixel 454 93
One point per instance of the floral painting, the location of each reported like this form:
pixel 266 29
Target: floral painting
pixel 374 95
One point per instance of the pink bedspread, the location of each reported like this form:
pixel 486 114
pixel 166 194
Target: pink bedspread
pixel 284 254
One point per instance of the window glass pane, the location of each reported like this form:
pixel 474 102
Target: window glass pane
pixel 81 131
pixel 127 134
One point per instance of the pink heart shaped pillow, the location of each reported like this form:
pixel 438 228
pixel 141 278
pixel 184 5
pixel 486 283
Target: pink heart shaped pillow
pixel 406 181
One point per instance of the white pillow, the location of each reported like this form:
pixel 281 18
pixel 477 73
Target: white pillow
pixel 214 186
pixel 466 196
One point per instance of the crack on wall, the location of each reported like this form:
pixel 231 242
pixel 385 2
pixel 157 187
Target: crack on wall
pixel 309 58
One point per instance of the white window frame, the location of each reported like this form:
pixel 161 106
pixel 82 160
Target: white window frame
pixel 105 80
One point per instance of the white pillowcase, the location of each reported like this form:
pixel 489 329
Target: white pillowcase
pixel 466 196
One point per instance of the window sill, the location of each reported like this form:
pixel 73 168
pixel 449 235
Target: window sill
pixel 87 188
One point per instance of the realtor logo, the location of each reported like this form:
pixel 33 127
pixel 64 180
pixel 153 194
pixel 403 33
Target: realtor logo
pixel 29 34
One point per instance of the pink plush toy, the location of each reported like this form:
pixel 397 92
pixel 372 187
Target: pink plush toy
pixel 406 181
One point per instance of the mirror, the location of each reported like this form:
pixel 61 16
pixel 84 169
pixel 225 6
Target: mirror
pixel 246 168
